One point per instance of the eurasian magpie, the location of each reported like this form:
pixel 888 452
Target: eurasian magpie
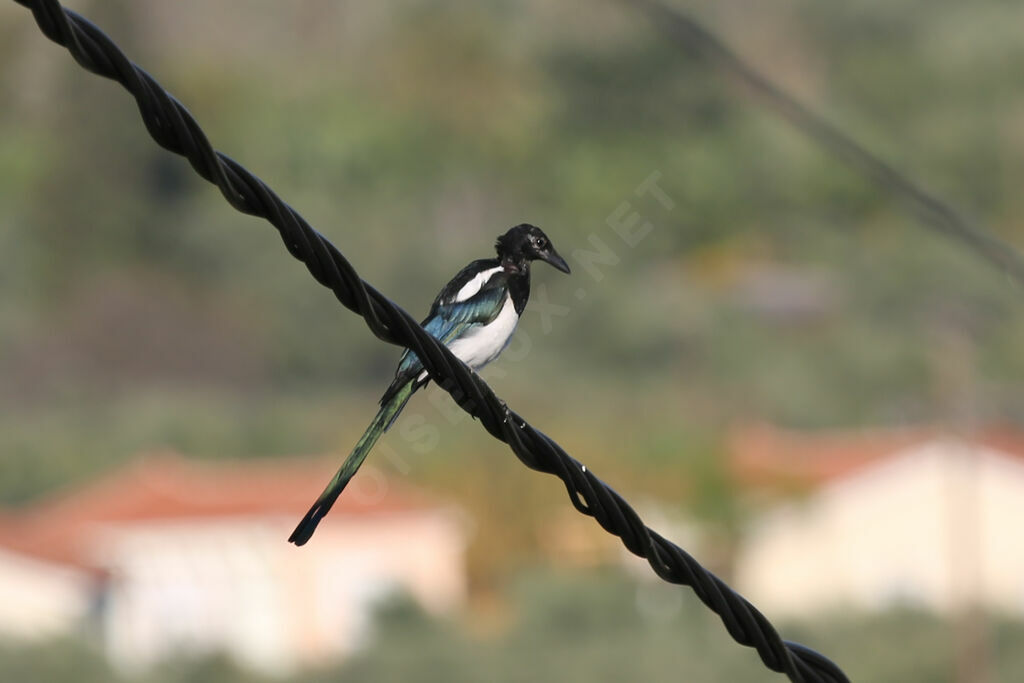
pixel 474 316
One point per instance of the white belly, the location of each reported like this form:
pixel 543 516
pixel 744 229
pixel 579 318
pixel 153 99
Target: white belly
pixel 483 344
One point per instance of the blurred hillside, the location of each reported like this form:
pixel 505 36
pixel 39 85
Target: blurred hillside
pixel 137 309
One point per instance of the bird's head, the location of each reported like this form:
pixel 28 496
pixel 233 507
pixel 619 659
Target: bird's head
pixel 525 243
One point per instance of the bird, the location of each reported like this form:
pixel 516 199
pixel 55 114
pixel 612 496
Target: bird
pixel 474 315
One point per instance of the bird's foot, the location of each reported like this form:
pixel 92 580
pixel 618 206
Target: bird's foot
pixel 508 418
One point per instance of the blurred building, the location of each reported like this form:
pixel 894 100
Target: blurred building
pixel 912 518
pixel 169 557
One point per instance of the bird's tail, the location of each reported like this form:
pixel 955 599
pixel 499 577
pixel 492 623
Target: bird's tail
pixel 385 416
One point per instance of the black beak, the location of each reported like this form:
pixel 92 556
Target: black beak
pixel 551 256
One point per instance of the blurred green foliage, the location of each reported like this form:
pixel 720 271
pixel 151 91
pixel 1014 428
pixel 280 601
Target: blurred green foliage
pixel 137 310
pixel 781 285
pixel 578 627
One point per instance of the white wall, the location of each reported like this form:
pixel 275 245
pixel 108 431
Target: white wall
pixel 40 600
pixel 237 586
pixel 934 527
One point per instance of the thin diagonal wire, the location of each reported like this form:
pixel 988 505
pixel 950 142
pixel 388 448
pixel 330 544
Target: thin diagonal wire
pixel 931 211
pixel 173 128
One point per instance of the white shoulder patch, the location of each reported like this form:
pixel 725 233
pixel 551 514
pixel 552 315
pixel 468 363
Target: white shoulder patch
pixel 474 285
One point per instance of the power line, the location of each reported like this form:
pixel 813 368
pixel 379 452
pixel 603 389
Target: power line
pixel 171 125
pixel 931 210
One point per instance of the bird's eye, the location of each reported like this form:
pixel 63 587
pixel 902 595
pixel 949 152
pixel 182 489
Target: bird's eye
pixel 540 243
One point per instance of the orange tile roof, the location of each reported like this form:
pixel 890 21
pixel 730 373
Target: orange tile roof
pixel 169 487
pixel 764 456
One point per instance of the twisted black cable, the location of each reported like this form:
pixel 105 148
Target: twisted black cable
pixel 930 210
pixel 173 128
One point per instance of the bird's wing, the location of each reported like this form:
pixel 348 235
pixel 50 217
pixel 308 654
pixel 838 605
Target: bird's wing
pixel 449 321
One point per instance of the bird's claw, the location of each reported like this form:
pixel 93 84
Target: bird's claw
pixel 505 411
pixel 508 419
